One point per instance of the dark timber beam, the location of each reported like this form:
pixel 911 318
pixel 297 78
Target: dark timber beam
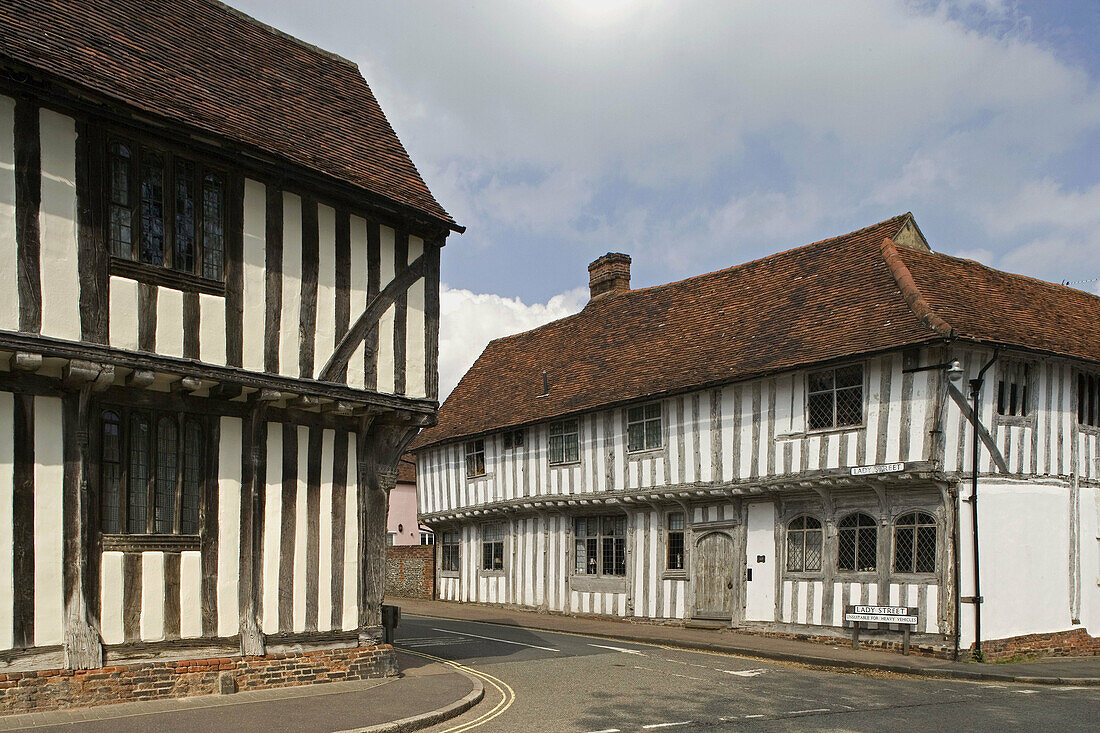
pixel 377 306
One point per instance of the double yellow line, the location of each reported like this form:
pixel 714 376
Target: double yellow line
pixel 507 695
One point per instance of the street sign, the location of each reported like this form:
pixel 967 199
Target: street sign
pixel 904 616
pixel 882 614
pixel 878 468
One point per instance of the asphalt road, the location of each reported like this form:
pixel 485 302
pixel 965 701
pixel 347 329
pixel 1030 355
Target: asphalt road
pixel 545 681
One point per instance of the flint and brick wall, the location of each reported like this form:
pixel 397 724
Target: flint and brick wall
pixel 1075 643
pixel 56 689
pixel 410 571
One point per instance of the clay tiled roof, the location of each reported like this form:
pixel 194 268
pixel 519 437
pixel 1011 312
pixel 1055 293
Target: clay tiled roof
pixel 205 65
pixel 823 301
pixel 406 469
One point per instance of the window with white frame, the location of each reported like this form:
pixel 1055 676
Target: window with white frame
pixel 492 546
pixel 475 458
pixel 449 552
pixel 1012 389
pixel 834 397
pixel 1088 400
pixel 427 538
pixel 675 541
pixel 643 427
pixel 857 543
pixel 564 442
pixel 804 545
pixel 915 543
pixel 600 545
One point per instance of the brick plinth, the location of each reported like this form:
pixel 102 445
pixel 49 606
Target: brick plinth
pixel 1074 643
pixel 410 571
pixel 56 689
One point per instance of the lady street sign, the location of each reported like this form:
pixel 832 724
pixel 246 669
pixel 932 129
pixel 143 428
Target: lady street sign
pixel 904 616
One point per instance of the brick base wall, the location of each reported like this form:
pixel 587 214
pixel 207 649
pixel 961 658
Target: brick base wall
pixel 1074 643
pixel 410 571
pixel 56 689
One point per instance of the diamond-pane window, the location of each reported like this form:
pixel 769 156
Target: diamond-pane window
pixel 804 540
pixel 675 541
pixel 915 543
pixel 857 543
pixel 600 545
pixel 834 397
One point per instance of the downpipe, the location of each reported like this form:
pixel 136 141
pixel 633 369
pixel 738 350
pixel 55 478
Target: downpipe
pixel 975 396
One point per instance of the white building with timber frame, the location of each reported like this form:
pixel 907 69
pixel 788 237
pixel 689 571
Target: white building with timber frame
pixel 219 276
pixel 768 444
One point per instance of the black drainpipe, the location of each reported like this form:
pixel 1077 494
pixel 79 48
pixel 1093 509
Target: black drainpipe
pixel 975 395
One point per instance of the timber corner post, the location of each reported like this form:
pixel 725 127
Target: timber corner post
pixel 381 444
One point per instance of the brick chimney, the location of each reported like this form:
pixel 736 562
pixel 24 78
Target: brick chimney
pixel 609 274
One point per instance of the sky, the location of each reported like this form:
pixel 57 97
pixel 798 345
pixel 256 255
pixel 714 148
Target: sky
pixel 696 135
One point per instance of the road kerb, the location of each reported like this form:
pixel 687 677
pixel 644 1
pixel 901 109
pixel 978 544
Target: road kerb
pixel 424 720
pixel 807 659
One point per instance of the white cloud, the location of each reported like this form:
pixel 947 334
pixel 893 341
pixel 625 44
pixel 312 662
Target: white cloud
pixel 469 321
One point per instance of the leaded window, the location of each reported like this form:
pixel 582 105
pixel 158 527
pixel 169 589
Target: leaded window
pixel 1012 389
pixel 1088 400
pixel 513 438
pixel 475 458
pixel 151 472
pixel 564 442
pixel 915 543
pixel 165 210
pixel 492 546
pixel 600 547
pixel 834 397
pixel 675 559
pixel 857 543
pixel 804 543
pixel 643 427
pixel 449 552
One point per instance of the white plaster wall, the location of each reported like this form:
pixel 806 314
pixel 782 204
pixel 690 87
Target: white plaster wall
pixel 325 333
pixel 49 467
pixel 110 599
pixel 9 282
pixel 301 533
pixel 58 227
pixel 1090 559
pixel 122 325
pixel 211 329
pixel 351 541
pixel 169 322
pixel 7 518
pixel 358 235
pixel 385 323
pixel 273 511
pixel 229 524
pixel 1024 544
pixel 760 540
pixel 291 320
pixel 190 594
pixel 151 624
pixel 415 385
pixel 324 535
pixel 255 258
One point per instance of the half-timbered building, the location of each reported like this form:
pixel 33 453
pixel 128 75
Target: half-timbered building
pixel 219 305
pixel 769 444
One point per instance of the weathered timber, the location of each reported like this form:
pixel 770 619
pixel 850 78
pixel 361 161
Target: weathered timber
pixel 273 285
pixel 343 282
pixel 253 472
pixel 234 273
pixel 28 201
pixel 431 322
pixel 307 327
pixel 374 280
pixel 147 317
pixel 92 257
pixel 23 522
pixel 401 311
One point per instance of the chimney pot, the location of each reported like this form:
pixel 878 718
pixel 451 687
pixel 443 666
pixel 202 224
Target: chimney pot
pixel 609 274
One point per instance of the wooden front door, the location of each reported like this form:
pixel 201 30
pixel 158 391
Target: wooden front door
pixel 714 576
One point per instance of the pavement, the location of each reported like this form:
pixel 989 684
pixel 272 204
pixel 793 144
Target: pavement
pixel 431 690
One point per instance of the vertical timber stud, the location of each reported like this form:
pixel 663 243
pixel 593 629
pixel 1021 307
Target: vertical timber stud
pixel 91 247
pixel 28 201
pixel 273 285
pixel 401 314
pixel 253 487
pixel 83 645
pixel 234 275
pixel 431 321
